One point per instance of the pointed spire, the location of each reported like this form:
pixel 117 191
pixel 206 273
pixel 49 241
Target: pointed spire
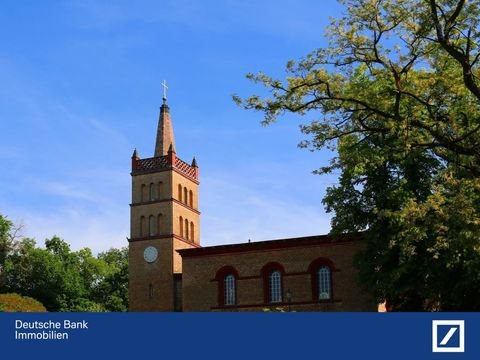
pixel 171 155
pixel 195 167
pixel 165 137
pixel 135 154
pixel 135 158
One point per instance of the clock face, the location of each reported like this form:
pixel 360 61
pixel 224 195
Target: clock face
pixel 150 254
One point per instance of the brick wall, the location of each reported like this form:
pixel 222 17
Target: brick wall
pixel 200 288
pixel 152 286
pixel 159 274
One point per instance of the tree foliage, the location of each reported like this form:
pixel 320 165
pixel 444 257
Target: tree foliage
pixel 397 95
pixel 62 279
pixel 8 234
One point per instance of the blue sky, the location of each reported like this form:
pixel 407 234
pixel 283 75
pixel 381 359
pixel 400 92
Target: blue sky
pixel 80 89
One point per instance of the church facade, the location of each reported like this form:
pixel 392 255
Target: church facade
pixel 170 271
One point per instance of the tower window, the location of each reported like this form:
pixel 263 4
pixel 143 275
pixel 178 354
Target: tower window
pixel 160 224
pixel 229 290
pixel 181 226
pixel 186 229
pixel 142 226
pixel 192 231
pixel 152 192
pixel 191 199
pixel 185 195
pixel 151 225
pixel 142 193
pixel 179 192
pixel 159 190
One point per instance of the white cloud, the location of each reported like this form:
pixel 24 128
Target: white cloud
pixel 79 227
pixel 89 209
pixel 233 212
pixel 68 191
pixel 203 16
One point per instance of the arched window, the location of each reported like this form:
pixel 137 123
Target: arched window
pixel 179 192
pixel 275 286
pixel 321 274
pixel 152 192
pixel 185 195
pixel 191 199
pixel 186 229
pixel 151 225
pixel 142 226
pixel 227 286
pixel 272 274
pixel 160 224
pixel 181 226
pixel 142 193
pixel 229 290
pixel 159 190
pixel 324 286
pixel 192 231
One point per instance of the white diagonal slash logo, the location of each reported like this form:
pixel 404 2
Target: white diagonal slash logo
pixel 448 336
pixel 452 326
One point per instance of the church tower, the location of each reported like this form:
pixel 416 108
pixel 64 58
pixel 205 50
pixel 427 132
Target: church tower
pixel 164 218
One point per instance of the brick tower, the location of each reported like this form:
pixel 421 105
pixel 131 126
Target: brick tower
pixel 164 217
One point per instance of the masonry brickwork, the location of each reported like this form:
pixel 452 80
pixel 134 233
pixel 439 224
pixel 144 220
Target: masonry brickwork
pixel 201 286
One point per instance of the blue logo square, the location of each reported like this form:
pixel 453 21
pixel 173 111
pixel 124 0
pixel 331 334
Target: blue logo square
pixel 447 337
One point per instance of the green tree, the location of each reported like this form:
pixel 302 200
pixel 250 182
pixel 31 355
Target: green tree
pixel 62 279
pixel 43 274
pixel 112 291
pixel 5 238
pixel 399 97
pixel 8 236
pixel 5 243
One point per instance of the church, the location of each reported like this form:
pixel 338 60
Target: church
pixel 169 270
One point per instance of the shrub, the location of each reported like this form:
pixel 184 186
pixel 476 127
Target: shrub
pixel 19 303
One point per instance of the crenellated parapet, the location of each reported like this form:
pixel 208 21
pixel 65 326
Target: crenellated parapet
pixel 167 162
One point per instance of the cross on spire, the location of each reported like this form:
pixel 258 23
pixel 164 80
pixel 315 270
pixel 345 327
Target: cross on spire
pixel 165 137
pixel 164 84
